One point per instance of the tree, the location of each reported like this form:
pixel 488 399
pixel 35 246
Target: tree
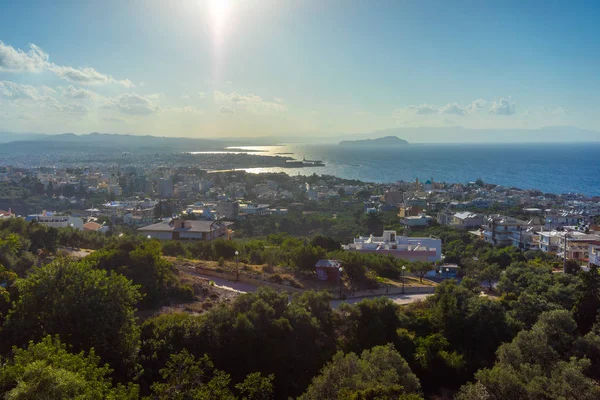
pixel 143 263
pixel 85 307
pixel 369 323
pixel 50 189
pixel 38 188
pixel 535 365
pixel 588 300
pixel 490 274
pixel 572 267
pixel 184 377
pixel 325 242
pixel 347 375
pixel 421 268
pixel 374 223
pixel 256 387
pixel 47 370
pixel 68 191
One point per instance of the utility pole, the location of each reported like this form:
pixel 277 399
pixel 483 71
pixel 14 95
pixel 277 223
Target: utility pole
pixel 565 254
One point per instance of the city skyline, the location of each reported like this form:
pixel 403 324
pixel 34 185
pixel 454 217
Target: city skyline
pixel 263 68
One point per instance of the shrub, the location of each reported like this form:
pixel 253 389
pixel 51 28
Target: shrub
pixel 221 262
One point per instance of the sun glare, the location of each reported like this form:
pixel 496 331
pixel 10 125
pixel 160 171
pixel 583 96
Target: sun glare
pixel 220 11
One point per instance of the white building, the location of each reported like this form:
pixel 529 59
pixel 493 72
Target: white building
pixel 499 230
pixel 427 249
pixel 549 241
pixel 465 220
pixel 56 221
pixel 526 238
pixel 576 245
pixel 254 209
pixel 417 220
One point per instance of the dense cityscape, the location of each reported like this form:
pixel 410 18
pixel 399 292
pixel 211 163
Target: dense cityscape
pixel 199 242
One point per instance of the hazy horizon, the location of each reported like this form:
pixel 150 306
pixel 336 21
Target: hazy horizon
pixel 314 69
pixel 420 135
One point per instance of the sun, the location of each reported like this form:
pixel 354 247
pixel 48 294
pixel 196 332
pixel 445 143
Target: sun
pixel 220 11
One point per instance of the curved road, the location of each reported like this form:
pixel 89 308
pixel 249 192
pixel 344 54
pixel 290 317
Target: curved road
pixel 246 287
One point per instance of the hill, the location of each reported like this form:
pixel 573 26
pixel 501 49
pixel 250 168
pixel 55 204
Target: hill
pixel 383 141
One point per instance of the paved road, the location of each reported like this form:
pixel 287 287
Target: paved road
pixel 397 298
pixel 225 283
pixel 245 287
pixel 77 253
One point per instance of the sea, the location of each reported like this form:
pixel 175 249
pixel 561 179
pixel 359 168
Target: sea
pixel 552 168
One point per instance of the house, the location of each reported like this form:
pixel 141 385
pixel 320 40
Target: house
pixel 556 220
pixel 499 230
pixel 466 220
pixel 6 214
pixel 577 245
pixel 56 221
pixel 418 220
pixel 393 197
pixel 443 217
pixel 180 229
pixel 594 254
pixel 549 241
pixel 427 249
pixel 328 270
pixel 526 238
pixel 228 209
pixel 95 227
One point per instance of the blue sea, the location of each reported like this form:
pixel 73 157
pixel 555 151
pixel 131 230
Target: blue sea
pixel 554 168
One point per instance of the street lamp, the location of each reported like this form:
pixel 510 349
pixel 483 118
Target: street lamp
pixel 403 269
pixel 237 271
pixel 340 269
pixel 447 273
pixel 149 237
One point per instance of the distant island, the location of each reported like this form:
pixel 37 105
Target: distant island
pixel 383 141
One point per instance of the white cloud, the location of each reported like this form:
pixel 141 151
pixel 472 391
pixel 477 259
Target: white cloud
pixel 15 91
pixel 86 76
pixel 250 102
pixel 453 108
pixel 450 108
pixel 134 104
pixel 475 106
pixel 186 109
pixel 78 93
pixel 16 60
pixel 423 109
pixel 71 108
pixel 192 110
pixel 29 96
pixel 226 110
pixel 37 60
pixel 113 119
pixel 505 106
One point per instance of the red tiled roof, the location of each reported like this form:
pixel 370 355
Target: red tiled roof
pixel 92 226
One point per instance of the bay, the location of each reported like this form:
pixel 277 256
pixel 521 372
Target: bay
pixel 554 168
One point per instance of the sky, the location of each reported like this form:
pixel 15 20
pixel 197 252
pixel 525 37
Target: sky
pixel 255 68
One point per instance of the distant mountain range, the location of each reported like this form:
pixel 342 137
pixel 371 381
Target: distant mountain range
pixel 459 134
pixel 382 141
pixel 40 143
